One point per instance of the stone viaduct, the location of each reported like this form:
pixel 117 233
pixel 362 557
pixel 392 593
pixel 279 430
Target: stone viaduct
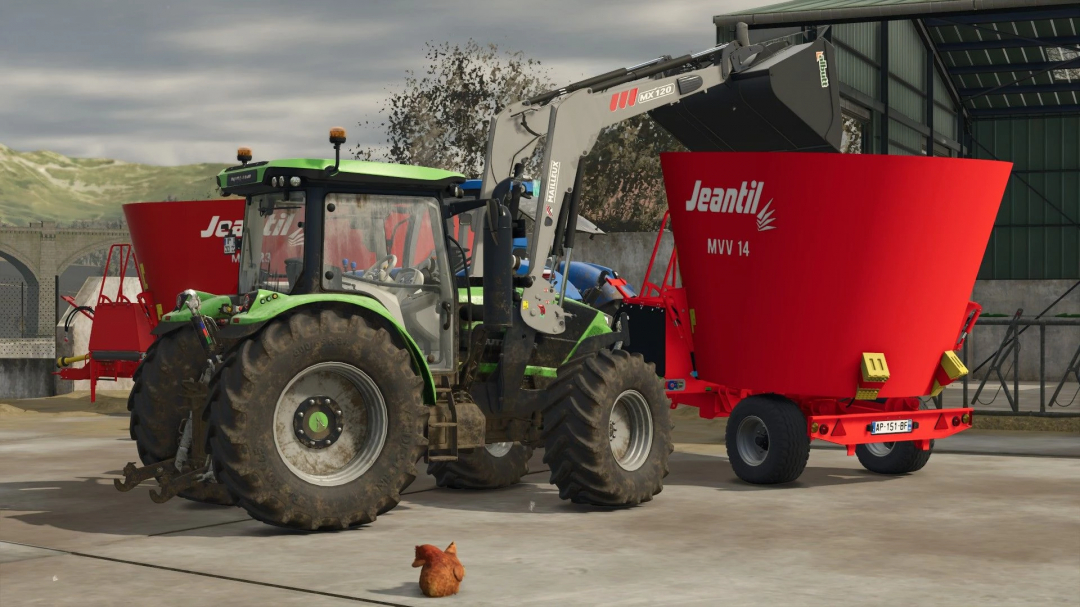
pixel 41 252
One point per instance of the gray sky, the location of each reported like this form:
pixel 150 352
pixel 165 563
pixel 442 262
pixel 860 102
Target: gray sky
pixel 188 81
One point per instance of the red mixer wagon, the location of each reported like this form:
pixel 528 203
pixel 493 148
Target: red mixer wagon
pixel 179 246
pixel 820 296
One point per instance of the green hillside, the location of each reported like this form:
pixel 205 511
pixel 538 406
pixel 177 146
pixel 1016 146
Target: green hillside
pixel 46 186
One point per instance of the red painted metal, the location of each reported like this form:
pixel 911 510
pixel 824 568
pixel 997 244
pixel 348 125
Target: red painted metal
pixel 120 332
pixel 181 246
pixel 844 253
pixel 852 428
pixel 853 276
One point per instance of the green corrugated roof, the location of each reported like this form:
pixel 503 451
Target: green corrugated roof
pixel 806 12
pixel 1008 67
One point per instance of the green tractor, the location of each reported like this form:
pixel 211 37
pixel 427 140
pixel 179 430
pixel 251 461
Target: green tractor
pixel 383 317
pixel 309 397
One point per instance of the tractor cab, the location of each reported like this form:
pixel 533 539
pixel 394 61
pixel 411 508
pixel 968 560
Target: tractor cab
pixel 316 227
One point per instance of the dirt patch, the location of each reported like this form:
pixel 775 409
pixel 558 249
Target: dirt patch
pixel 109 402
pixel 8 411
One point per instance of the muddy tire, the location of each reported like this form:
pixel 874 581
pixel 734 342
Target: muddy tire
pixel 608 435
pixel 494 466
pixel 901 457
pixel 318 421
pixel 766 440
pixel 158 406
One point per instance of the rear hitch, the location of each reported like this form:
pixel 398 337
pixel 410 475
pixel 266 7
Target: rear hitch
pixel 178 473
pixel 170 485
pixel 135 476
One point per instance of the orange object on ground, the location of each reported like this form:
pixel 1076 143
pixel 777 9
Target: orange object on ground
pixel 442 571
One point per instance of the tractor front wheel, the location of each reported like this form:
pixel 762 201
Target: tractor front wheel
pixel 318 421
pixel 492 466
pixel 608 436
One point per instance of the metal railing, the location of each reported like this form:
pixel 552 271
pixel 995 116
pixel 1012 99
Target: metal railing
pixel 1005 362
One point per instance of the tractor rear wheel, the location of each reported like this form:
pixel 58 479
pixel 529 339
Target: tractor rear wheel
pixel 158 407
pixel 318 421
pixel 492 466
pixel 608 436
pixel 900 457
pixel 766 440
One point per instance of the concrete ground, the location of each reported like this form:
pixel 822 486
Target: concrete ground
pixel 967 530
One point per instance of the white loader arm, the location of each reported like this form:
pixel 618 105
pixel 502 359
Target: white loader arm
pixel 575 116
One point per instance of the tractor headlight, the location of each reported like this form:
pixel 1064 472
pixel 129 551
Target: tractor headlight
pixel 294 181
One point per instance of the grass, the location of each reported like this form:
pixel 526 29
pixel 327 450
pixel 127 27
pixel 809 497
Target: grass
pixel 45 186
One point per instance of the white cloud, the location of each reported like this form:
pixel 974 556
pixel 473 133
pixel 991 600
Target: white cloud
pixel 283 33
pixel 190 81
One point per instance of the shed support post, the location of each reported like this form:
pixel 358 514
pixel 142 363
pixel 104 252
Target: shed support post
pixel 883 73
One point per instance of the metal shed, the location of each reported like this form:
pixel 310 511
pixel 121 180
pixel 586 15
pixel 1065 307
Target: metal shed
pixel 969 78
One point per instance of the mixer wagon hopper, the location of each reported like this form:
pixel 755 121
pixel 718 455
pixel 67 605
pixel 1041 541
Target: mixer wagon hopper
pixel 820 297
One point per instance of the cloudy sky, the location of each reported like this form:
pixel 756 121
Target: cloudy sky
pixel 189 80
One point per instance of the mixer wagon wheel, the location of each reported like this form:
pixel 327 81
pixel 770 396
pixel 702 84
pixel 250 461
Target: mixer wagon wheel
pixel 766 440
pixel 900 457
pixel 495 466
pixel 608 435
pixel 318 421
pixel 158 406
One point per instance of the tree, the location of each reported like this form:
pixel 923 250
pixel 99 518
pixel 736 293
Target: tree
pixel 624 186
pixel 442 119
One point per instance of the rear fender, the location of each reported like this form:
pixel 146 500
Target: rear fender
pixel 267 308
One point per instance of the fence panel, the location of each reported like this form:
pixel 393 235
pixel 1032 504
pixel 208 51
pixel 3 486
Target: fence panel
pixel 19 303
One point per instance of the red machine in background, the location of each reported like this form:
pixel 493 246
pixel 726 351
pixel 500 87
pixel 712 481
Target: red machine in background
pixel 120 333
pixel 179 244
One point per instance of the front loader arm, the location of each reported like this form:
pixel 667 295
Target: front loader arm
pixel 575 121
pixel 783 101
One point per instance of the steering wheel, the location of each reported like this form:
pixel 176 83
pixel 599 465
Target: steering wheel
pixel 380 270
pixel 409 277
pixel 433 269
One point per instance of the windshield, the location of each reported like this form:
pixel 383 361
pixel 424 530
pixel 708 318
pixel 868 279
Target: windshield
pixel 272 248
pixel 384 240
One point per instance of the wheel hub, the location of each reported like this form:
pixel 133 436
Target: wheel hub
pixel 880 449
pixel 499 449
pixel 630 430
pixel 752 440
pixel 318 422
